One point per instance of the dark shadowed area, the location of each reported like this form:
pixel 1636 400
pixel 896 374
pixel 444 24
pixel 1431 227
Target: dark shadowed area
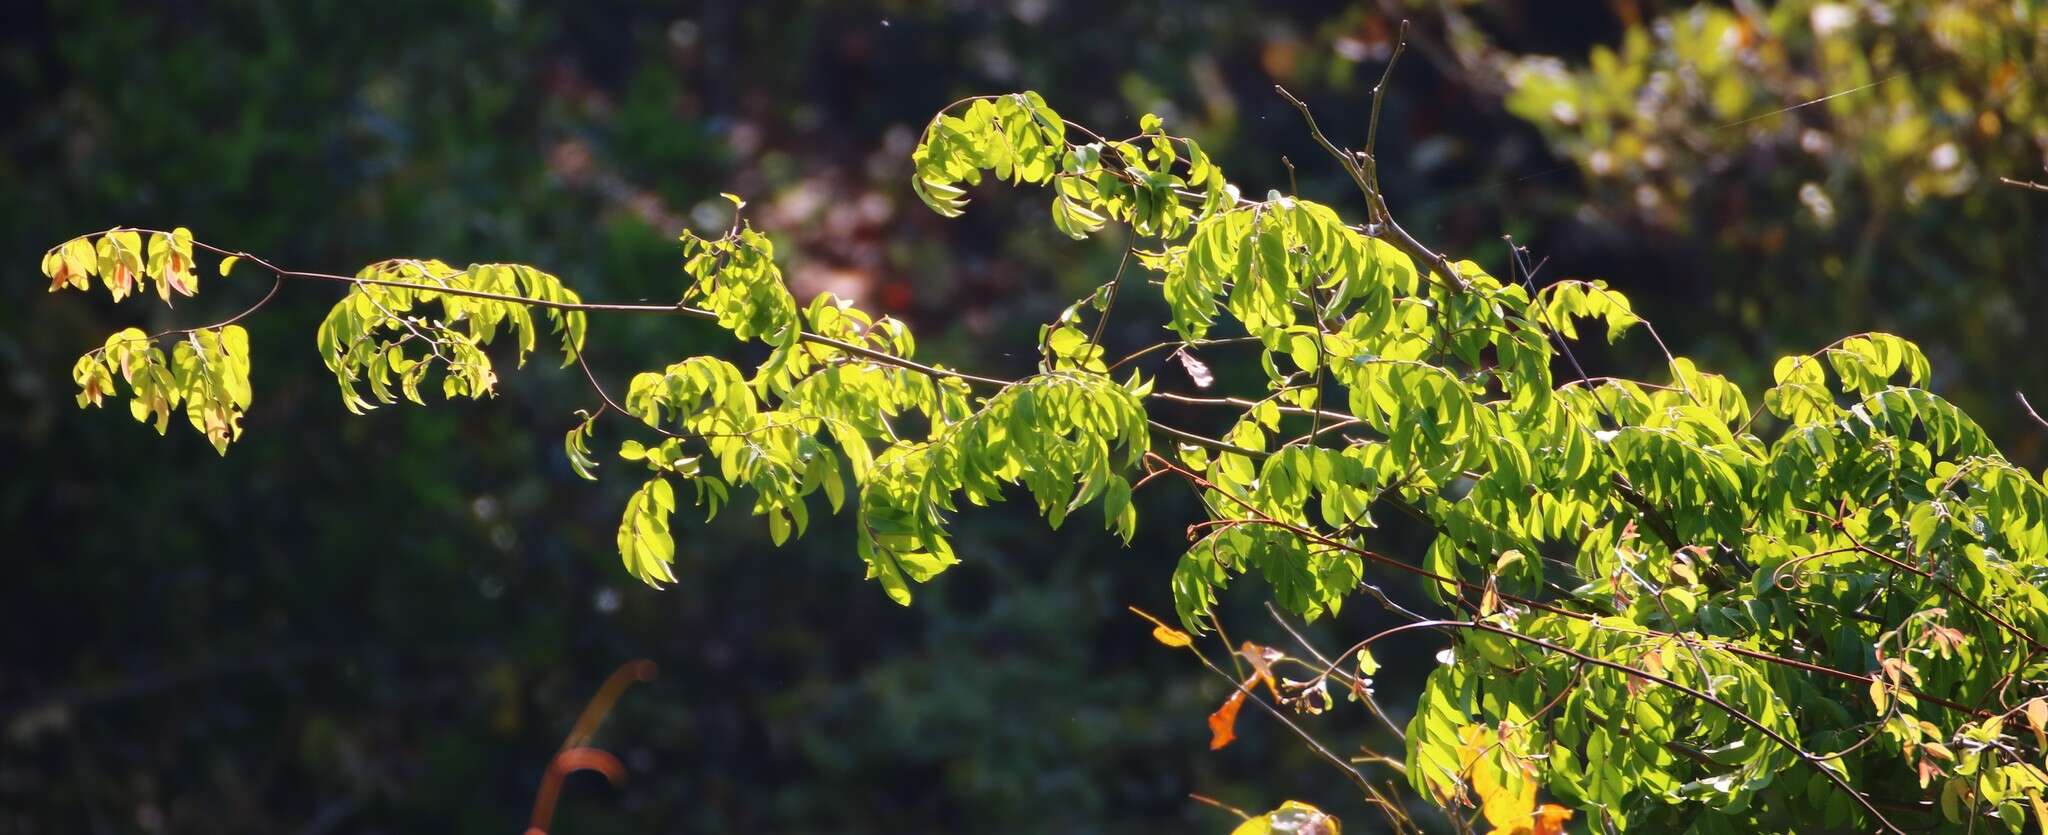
pixel 388 623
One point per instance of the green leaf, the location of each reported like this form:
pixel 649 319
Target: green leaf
pixel 576 447
pixel 645 543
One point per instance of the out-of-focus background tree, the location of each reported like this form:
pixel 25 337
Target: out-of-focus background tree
pixel 387 623
pixel 1829 167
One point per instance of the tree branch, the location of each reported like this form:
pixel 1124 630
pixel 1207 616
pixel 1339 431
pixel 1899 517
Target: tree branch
pixel 2030 409
pixel 1371 703
pixel 1387 229
pixel 596 307
pixel 1732 711
pixel 1379 91
pixel 1259 518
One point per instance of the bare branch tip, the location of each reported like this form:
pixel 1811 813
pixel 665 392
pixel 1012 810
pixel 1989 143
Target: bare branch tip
pixel 2022 396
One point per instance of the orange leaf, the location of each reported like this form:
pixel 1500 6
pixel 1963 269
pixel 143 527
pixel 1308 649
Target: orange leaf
pixel 1162 633
pixel 1262 659
pixel 1550 819
pixel 1928 770
pixel 121 281
pixel 1171 637
pixel 1223 723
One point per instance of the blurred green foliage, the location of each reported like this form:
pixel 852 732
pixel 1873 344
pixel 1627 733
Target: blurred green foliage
pixel 1836 164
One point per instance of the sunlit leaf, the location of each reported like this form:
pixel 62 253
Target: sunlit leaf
pixel 1223 722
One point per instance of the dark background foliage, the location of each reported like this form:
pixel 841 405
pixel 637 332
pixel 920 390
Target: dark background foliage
pixel 386 623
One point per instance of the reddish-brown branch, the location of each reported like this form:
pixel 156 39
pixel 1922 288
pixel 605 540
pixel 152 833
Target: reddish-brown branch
pixel 600 706
pixel 575 756
pixel 565 763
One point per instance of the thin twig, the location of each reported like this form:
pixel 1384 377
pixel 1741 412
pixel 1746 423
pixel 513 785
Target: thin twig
pixel 609 403
pixel 1371 704
pixel 1321 750
pixel 1379 91
pixel 1179 343
pixel 1210 801
pixel 1208 488
pixel 1388 230
pixel 1114 282
pixel 1205 441
pixel 1239 402
pixel 598 307
pixel 2030 409
pixel 215 326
